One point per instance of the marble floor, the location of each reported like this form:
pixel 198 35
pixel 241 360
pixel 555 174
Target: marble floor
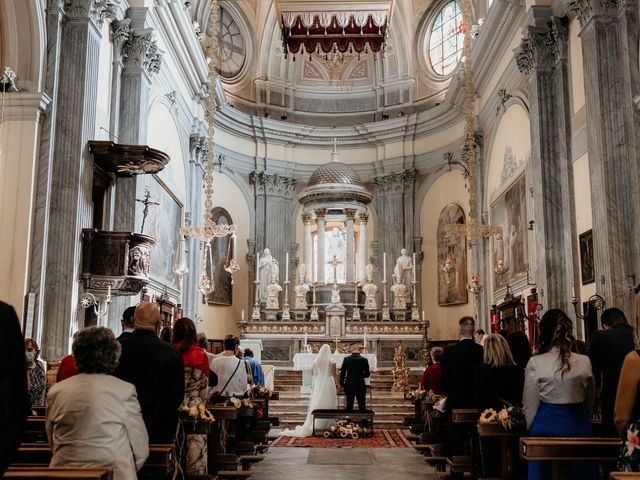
pixel 343 464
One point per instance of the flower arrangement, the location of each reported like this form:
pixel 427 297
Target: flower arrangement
pixel 511 417
pixel 416 395
pixel 343 429
pixel 629 456
pixel 260 391
pixel 240 402
pixel 195 414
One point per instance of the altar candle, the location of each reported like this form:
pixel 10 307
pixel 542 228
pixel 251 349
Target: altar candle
pixel 233 237
pixel 242 315
pixel 286 267
pixel 305 339
pixel 314 293
pixel 423 315
pixel 364 339
pixel 573 291
pixel 414 266
pixel 384 266
pixel 257 267
pixel 355 294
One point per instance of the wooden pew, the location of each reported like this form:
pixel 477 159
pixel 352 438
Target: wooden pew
pixel 60 473
pixel 558 450
pixel 624 476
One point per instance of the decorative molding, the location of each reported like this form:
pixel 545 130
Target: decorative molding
pixel 538 50
pixel 311 72
pixel 321 213
pixel 97 10
pixel 364 217
pixel 141 51
pixel 350 213
pixel 511 165
pixel 198 148
pixel 306 218
pixel 395 182
pixel 585 10
pixel 272 184
pixel 503 97
pixel 121 33
pixel 359 72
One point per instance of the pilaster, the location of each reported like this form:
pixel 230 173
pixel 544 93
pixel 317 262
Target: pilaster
pixel 362 250
pixel 613 166
pixel 308 246
pixel 350 270
pixel 542 57
pixel 320 221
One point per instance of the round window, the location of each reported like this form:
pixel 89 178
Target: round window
pixel 446 39
pixel 231 48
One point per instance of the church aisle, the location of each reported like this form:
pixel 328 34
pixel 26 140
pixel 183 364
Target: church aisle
pixel 343 464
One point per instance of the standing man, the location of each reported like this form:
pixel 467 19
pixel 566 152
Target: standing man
pixel 355 368
pixel 156 370
pixel 256 368
pixel 458 363
pixel 14 406
pixel 127 323
pixel 607 350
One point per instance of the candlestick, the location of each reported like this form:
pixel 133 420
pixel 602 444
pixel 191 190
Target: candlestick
pixel 355 294
pixel 305 339
pixel 423 315
pixel 286 267
pixel 314 293
pixel 384 266
pixel 364 339
pixel 414 266
pixel 242 315
pixel 233 238
pixel 573 291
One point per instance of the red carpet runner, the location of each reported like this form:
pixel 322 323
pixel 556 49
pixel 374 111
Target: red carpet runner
pixel 380 439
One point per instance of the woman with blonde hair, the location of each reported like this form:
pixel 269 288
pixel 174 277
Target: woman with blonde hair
pixel 498 379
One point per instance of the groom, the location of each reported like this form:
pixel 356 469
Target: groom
pixel 355 368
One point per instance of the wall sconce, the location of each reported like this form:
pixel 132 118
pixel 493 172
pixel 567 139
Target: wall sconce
pixel 531 224
pixel 595 302
pixel 89 300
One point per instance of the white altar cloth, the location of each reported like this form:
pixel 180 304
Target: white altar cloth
pixel 304 361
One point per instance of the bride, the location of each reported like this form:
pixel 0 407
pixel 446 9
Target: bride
pixel 323 394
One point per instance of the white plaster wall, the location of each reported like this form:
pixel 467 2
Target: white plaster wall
pixel 103 107
pixel 584 220
pixel 18 148
pixel 576 68
pixel 218 320
pixel 449 188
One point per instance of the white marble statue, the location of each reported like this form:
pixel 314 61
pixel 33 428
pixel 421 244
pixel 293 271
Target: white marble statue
pixel 301 274
pixel 405 262
pixel 266 268
pixel 368 270
pixel 399 289
pixel 301 296
pixel 370 291
pixel 273 293
pixel 335 295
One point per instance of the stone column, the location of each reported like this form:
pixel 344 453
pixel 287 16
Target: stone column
pixel 320 214
pixel 350 270
pixel 613 166
pixel 42 207
pixel 308 246
pixel 141 59
pixel 121 33
pixel 72 172
pixel 362 250
pixel 542 56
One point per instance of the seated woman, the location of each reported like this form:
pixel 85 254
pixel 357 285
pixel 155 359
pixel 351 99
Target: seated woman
pixel 93 419
pixel 498 379
pixel 36 374
pixel 627 412
pixel 430 379
pixel 196 363
pixel 559 392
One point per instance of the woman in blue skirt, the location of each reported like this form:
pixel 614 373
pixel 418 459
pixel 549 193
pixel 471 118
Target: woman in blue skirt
pixel 559 391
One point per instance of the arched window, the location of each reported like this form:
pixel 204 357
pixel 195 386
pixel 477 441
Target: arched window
pixel 446 39
pixel 231 48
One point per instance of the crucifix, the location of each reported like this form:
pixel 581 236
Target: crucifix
pixel 146 202
pixel 334 263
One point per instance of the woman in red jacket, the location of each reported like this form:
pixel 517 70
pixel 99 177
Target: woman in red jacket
pixel 431 377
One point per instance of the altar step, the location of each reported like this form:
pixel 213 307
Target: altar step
pixel 291 408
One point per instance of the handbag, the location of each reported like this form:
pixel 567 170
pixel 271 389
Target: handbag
pixel 218 397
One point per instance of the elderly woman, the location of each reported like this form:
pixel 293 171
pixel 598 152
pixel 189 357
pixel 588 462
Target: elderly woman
pixel 36 373
pixel 430 379
pixel 93 419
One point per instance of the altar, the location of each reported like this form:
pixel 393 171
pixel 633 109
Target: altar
pixel 304 362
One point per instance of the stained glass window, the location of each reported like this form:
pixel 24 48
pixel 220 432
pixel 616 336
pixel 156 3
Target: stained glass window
pixel 447 38
pixel 231 49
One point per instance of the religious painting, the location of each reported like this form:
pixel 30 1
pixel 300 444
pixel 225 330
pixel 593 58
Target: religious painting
pixel 587 269
pixel 452 259
pixel 510 212
pixel 163 223
pixel 221 254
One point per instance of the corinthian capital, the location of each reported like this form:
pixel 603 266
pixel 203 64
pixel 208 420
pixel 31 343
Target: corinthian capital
pixel 141 51
pixel 96 10
pixel 585 10
pixel 121 31
pixel 538 51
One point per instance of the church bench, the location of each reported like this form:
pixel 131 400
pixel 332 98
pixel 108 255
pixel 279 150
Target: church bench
pixel 624 476
pixel 247 460
pixel 574 449
pixel 331 414
pixel 45 473
pixel 226 467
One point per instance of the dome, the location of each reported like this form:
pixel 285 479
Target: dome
pixel 335 172
pixel 335 183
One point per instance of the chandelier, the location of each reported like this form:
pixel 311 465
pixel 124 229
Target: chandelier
pixel 208 229
pixel 329 27
pixel 473 229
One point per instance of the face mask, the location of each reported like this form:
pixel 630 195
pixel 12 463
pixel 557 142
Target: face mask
pixel 30 356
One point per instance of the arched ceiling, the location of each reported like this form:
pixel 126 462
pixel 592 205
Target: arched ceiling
pixel 324 89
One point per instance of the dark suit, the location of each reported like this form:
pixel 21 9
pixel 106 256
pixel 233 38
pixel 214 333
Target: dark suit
pixel 606 352
pixel 157 371
pixel 493 385
pixel 355 368
pixel 124 335
pixel 458 364
pixel 14 405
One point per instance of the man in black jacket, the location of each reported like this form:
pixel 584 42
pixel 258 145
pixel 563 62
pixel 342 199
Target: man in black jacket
pixel 156 370
pixel 13 385
pixel 458 363
pixel 607 350
pixel 355 368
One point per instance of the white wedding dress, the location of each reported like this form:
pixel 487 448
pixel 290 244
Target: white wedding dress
pixel 323 395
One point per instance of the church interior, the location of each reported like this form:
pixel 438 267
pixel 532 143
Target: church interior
pixel 299 173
